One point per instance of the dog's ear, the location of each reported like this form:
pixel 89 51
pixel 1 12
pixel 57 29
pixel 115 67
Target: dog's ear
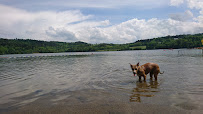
pixel 138 63
pixel 131 65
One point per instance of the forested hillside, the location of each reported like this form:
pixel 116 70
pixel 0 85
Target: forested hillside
pixel 21 46
pixel 175 42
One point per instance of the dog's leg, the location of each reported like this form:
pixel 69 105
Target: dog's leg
pixel 151 75
pixel 144 77
pixel 155 76
pixel 139 78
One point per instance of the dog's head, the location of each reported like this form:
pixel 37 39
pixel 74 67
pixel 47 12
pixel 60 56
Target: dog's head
pixel 134 68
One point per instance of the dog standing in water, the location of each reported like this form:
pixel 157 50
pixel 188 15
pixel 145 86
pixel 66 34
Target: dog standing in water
pixel 143 70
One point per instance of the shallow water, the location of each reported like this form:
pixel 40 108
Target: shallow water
pixel 101 77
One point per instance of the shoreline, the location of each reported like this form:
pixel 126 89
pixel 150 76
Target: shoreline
pixel 198 48
pixel 96 51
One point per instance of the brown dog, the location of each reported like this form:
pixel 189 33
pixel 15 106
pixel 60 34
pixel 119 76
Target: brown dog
pixel 143 70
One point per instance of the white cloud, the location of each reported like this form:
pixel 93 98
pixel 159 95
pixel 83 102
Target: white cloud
pixel 61 34
pixel 176 2
pixel 20 23
pixel 197 4
pixel 136 29
pixel 187 15
pixel 73 26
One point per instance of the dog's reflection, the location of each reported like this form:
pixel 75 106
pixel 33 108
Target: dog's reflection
pixel 144 89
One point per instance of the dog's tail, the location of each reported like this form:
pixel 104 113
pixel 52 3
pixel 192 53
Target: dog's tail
pixel 161 72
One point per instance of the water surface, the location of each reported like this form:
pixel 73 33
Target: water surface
pixel 101 78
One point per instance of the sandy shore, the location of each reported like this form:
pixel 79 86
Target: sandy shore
pixel 114 108
pixel 98 102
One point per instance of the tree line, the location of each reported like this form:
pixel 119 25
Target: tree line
pixel 24 46
pixel 174 42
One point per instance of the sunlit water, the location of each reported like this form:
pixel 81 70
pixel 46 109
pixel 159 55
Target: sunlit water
pixel 101 76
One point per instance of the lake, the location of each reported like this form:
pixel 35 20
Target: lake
pixel 83 82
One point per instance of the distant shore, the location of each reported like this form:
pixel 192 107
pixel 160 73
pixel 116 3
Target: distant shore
pixel 198 48
pixel 28 46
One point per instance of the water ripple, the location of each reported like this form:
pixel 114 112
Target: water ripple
pixel 25 80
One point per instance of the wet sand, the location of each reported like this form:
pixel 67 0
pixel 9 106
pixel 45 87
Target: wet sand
pixel 113 108
pixel 95 101
pixel 90 102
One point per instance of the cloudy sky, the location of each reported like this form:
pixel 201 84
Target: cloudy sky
pixel 99 21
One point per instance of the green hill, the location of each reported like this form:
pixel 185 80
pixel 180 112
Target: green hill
pixel 22 46
pixel 175 42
